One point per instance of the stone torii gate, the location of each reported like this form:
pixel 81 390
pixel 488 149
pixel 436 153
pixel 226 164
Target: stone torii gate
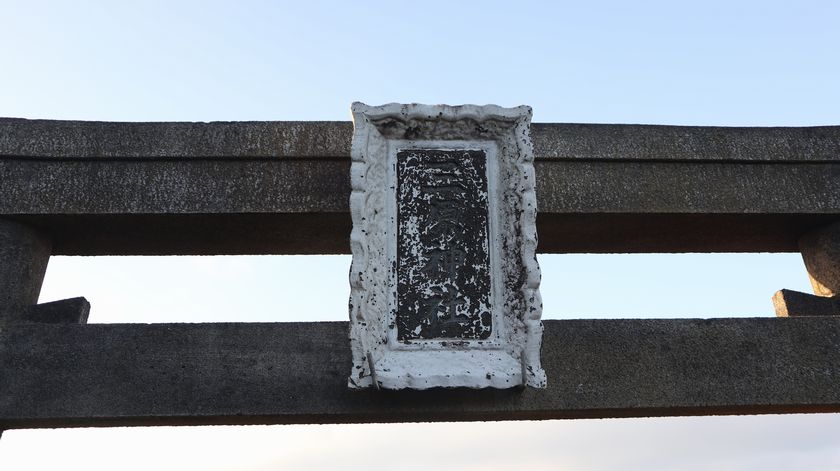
pixel 95 188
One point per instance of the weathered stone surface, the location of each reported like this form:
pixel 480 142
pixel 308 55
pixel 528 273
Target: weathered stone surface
pixel 789 303
pixel 248 188
pixel 686 143
pixel 65 311
pixel 444 279
pixel 24 253
pixel 101 140
pixel 318 139
pixel 820 250
pixel 134 187
pixel 190 374
pixel 165 188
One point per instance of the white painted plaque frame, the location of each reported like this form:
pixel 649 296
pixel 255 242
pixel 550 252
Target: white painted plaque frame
pixel 510 356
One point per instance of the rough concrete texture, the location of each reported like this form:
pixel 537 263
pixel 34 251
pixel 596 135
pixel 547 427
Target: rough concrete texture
pixel 92 139
pixel 686 143
pixel 233 206
pixel 97 139
pixel 65 311
pixel 820 250
pixel 159 374
pixel 169 188
pixel 50 187
pixel 24 253
pixel 282 187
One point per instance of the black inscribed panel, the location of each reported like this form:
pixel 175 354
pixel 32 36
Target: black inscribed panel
pixel 443 256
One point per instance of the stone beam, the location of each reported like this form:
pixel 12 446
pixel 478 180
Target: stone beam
pixel 187 374
pixel 282 187
pixel 329 139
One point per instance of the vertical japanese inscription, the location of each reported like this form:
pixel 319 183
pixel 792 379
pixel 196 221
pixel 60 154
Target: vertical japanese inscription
pixel 443 255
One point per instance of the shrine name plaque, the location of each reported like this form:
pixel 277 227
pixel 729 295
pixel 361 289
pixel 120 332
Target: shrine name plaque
pixel 444 279
pixel 443 254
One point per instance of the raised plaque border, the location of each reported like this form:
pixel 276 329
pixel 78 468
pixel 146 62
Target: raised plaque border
pixel 511 357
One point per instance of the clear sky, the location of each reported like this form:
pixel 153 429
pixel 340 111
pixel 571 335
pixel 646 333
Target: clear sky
pixel 729 63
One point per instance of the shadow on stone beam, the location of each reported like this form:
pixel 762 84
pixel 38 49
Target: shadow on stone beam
pixel 789 303
pixel 65 311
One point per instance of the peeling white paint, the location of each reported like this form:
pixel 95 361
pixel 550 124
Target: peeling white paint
pixel 510 356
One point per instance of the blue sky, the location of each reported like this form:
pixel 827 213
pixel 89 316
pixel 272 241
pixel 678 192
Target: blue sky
pixel 701 63
pixel 711 62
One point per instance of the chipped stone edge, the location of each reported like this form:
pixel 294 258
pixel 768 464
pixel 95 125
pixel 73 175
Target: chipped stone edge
pixel 369 279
